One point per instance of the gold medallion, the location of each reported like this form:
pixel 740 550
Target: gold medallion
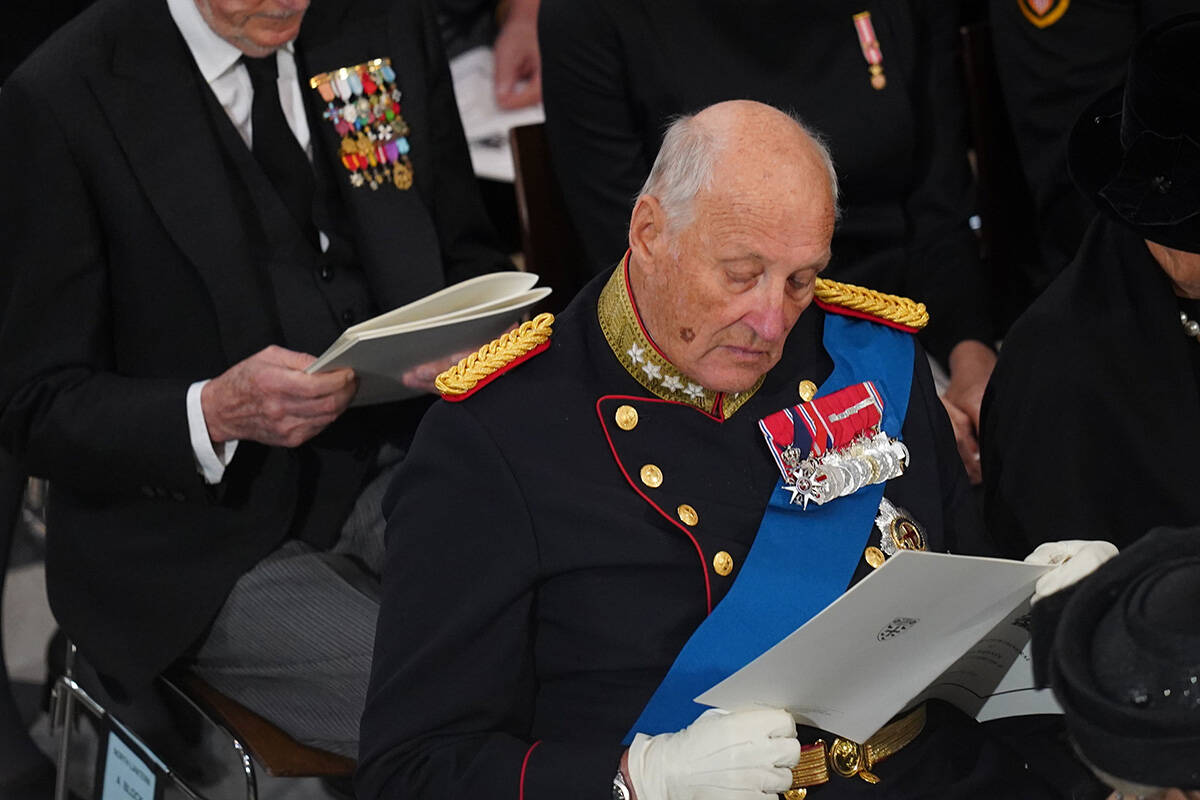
pixel 402 174
pixel 907 534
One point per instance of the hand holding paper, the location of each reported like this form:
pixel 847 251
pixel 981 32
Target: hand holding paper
pixel 1075 560
pixel 729 755
pixel 399 353
pixel 269 398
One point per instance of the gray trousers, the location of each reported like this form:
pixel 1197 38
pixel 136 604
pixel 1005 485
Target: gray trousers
pixel 293 641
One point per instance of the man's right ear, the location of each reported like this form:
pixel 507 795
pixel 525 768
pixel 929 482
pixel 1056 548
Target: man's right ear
pixel 647 229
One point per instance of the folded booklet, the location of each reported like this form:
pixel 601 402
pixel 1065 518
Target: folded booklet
pixel 922 626
pixel 461 317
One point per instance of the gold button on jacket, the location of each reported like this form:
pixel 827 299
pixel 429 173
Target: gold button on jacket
pixel 652 476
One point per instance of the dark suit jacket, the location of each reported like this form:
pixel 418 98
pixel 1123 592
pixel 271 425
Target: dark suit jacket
pixel 616 71
pixel 129 275
pixel 535 592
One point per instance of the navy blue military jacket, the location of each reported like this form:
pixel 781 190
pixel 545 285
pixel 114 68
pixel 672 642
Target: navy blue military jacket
pixel 537 590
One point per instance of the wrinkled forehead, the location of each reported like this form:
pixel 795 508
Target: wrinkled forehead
pixel 792 207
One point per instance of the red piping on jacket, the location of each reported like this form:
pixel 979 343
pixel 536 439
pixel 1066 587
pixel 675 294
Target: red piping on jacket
pixel 630 481
pixel 457 398
pixel 846 312
pixel 524 766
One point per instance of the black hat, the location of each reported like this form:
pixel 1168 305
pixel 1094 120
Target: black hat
pixel 1136 151
pixel 1124 661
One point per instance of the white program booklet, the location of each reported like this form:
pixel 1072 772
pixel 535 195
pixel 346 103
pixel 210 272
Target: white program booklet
pixel 461 317
pixel 923 625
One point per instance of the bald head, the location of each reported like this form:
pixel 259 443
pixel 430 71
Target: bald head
pixel 696 148
pixel 727 239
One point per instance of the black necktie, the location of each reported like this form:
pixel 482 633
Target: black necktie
pixel 275 145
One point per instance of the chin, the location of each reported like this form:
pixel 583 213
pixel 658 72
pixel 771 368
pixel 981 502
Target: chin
pixel 269 40
pixel 732 382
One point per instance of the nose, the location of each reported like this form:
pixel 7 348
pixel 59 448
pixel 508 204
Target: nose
pixel 773 313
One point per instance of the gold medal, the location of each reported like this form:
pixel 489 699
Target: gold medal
pixel 871 50
pixel 878 79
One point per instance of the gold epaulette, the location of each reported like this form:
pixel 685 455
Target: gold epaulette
pixel 495 357
pixel 858 301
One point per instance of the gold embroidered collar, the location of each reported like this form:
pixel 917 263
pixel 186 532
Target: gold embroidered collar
pixel 645 362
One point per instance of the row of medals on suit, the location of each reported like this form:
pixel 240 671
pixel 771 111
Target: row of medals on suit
pixel 872 457
pixel 362 103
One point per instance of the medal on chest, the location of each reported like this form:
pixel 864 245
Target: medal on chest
pixel 362 103
pixel 871 50
pixel 898 530
pixel 832 446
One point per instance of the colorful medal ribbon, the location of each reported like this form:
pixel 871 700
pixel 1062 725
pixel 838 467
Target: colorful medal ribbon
pixel 847 450
pixel 363 105
pixel 871 50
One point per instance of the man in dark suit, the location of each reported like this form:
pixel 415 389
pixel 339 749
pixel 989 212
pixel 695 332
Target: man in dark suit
pixel 188 218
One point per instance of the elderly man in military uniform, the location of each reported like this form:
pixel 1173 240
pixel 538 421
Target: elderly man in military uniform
pixel 596 518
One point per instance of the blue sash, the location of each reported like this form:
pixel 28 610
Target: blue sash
pixel 801 560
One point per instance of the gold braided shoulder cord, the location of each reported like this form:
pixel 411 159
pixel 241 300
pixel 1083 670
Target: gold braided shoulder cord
pixel 896 309
pixel 463 376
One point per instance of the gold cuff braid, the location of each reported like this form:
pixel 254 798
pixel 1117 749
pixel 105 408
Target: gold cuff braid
pixel 890 307
pixel 495 355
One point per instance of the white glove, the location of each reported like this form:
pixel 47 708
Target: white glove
pixel 730 755
pixel 1076 559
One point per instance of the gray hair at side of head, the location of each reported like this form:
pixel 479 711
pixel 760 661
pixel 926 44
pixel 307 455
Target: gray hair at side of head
pixel 684 167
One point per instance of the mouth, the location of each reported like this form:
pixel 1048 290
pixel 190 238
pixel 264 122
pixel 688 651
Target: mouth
pixel 747 354
pixel 279 19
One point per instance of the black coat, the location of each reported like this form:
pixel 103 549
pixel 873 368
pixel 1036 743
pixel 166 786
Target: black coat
pixel 536 591
pixel 616 71
pixel 1092 418
pixel 1048 75
pixel 129 273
